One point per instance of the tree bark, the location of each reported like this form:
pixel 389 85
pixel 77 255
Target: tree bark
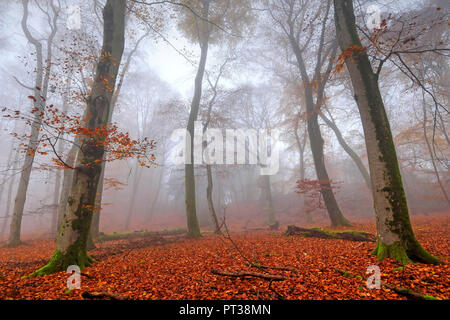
pixel 395 236
pixel 56 196
pixel 71 244
pixel 95 226
pixel 67 181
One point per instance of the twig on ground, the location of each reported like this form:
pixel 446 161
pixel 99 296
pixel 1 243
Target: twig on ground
pixel 101 295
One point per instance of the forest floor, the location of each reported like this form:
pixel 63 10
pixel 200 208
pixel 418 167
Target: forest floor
pixel 175 267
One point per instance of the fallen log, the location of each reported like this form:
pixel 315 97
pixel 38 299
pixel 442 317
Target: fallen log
pixel 352 235
pixel 270 277
pixel 138 234
pixel 409 293
pixel 101 295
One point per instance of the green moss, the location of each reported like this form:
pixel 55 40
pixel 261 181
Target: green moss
pixel 428 297
pixel 68 291
pixel 76 253
pixel 394 251
pixel 142 234
pixel 356 235
pixel 267 254
pixel 60 261
pixel 399 269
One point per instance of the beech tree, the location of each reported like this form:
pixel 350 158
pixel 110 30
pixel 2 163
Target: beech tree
pixel 204 27
pixel 291 16
pixel 71 243
pixel 39 88
pixel 395 236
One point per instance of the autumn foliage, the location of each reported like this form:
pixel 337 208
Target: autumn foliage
pixel 175 267
pixel 57 125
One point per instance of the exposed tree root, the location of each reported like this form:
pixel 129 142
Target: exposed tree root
pixel 352 235
pixel 60 262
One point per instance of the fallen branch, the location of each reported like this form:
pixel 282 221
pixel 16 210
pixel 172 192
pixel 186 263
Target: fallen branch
pixel 409 293
pixel 270 277
pixel 101 295
pixel 280 296
pixel 352 235
pixel 261 266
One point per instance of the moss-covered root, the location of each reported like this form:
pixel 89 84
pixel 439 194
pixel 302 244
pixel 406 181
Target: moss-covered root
pixel 403 256
pixel 394 251
pixel 60 262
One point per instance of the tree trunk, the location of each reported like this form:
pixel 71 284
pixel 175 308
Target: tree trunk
pixel 95 226
pixel 136 182
pixel 352 154
pixel 40 96
pixel 395 238
pixel 155 198
pixel 71 244
pixel 316 145
pixel 301 145
pixel 56 192
pixel 430 150
pixel 312 110
pixel 10 192
pixel 209 198
pixel 67 182
pixel 191 211
pixel 268 196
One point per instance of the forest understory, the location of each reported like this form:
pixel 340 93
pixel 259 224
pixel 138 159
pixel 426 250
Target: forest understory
pixel 169 267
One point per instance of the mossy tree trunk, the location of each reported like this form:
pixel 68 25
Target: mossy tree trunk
pixel 191 210
pixel 67 182
pixel 395 238
pixel 71 243
pixel 59 177
pixel 95 226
